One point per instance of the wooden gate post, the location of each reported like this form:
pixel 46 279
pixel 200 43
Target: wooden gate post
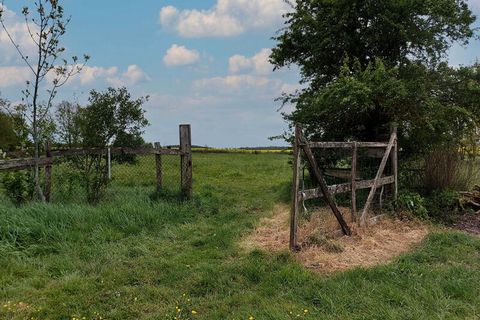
pixel 394 163
pixel 354 181
pixel 297 162
pixel 186 161
pixel 158 162
pixel 48 172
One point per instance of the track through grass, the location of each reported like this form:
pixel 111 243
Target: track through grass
pixel 140 257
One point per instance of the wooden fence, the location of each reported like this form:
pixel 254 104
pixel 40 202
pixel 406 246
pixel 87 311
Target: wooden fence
pixel 386 150
pixel 48 161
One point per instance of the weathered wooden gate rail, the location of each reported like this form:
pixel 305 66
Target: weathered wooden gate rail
pixel 328 192
pixel 185 153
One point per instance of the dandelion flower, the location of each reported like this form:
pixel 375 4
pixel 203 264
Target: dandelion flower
pixel 194 312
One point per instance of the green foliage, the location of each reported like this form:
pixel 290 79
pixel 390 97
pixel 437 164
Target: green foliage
pixel 318 34
pixel 369 64
pixel 413 203
pixel 443 206
pixel 128 140
pixel 68 123
pixel 110 117
pixel 18 186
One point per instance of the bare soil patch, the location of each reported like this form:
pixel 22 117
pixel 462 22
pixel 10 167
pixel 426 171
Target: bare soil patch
pixel 378 244
pixel 469 222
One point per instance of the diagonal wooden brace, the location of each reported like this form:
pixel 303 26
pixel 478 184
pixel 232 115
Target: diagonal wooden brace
pixel 391 143
pixel 323 186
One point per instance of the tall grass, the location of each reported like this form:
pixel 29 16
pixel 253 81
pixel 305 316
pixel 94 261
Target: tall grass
pixel 139 255
pixel 446 170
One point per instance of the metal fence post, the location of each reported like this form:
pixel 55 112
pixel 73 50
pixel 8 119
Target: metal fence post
pixel 186 161
pixel 48 172
pixel 158 162
pixel 109 163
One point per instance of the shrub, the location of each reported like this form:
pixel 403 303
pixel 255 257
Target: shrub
pixel 19 186
pixel 412 202
pixel 443 205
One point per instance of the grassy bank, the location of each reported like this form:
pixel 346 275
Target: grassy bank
pixel 138 256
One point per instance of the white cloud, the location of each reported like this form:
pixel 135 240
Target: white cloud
pixel 14 76
pixel 259 63
pixel 111 75
pixel 238 84
pixel 180 56
pixel 227 18
pixel 90 74
pixel 19 32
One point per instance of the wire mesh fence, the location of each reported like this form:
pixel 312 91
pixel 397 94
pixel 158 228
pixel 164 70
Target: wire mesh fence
pixel 91 175
pixel 73 179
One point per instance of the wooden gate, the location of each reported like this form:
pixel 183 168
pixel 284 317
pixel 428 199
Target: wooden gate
pixel 303 147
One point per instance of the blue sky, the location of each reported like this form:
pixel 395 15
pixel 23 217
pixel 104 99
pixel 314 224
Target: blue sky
pixel 201 62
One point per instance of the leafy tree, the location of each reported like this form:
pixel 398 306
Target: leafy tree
pixel 8 138
pixel 66 117
pixel 368 63
pixel 111 116
pixel 46 25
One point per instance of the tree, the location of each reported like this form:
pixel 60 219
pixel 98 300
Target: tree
pixel 110 116
pixel 68 129
pixel 368 63
pixel 45 26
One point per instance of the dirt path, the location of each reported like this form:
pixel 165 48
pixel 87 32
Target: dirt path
pixel 378 244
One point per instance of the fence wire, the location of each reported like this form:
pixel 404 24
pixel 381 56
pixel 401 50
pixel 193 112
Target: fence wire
pixel 73 176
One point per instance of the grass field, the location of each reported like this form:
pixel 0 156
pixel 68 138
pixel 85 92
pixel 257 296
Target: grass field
pixel 136 256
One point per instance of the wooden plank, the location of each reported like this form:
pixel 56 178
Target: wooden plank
pixel 21 164
pixel 346 145
pixel 102 151
pixel 345 187
pixel 363 217
pixel 354 182
pixel 297 163
pixel 323 186
pixel 186 161
pixel 158 164
pixel 47 190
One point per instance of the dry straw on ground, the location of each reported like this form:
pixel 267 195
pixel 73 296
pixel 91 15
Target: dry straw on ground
pixel 376 245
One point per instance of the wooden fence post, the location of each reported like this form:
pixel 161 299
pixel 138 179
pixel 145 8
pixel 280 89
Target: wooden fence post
pixel 297 162
pixel 354 181
pixel 186 161
pixel 48 173
pixel 158 162
pixel 394 163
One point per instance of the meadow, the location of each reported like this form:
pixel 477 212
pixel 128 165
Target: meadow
pixel 141 255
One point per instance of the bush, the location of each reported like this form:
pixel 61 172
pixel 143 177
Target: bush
pixel 443 205
pixel 412 202
pixel 19 186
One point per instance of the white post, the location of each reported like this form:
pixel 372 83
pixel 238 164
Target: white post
pixel 109 163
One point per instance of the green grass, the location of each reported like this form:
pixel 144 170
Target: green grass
pixel 135 255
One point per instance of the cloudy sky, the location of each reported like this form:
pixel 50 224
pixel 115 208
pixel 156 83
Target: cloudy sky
pixel 201 62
